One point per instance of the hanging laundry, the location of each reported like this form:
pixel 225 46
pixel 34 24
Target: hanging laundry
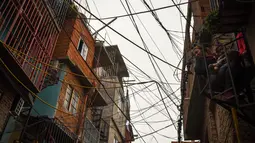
pixel 240 43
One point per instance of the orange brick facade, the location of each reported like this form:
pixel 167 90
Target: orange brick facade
pixel 73 122
pixel 67 48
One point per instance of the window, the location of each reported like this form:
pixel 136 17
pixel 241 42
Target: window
pixel 67 101
pixel 74 103
pixel 83 49
pixel 71 100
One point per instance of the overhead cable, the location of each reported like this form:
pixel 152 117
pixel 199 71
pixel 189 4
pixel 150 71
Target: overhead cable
pixel 141 12
pixel 126 37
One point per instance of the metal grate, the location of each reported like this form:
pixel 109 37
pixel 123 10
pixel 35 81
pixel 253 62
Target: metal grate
pixel 29 27
pixel 91 133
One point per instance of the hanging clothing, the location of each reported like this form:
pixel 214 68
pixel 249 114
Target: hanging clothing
pixel 241 43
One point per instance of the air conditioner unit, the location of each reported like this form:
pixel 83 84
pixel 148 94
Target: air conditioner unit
pixel 18 107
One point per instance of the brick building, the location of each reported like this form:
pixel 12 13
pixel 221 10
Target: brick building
pixel 28 35
pixel 48 52
pixel 210 119
pixel 75 92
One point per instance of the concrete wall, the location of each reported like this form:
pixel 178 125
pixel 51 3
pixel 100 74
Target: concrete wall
pixel 111 110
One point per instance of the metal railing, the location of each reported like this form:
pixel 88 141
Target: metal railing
pixel 91 133
pixel 29 28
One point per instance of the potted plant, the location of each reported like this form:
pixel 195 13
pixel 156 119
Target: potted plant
pixel 211 25
pixel 212 22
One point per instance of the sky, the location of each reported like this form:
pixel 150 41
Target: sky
pixel 141 98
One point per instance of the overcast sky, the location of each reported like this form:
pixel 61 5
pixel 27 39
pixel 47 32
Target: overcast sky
pixel 171 20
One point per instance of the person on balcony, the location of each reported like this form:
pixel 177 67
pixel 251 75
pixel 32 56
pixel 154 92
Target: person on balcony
pixel 200 65
pixel 219 71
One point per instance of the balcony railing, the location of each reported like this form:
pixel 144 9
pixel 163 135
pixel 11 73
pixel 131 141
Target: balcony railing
pixel 30 31
pixel 46 129
pixel 91 133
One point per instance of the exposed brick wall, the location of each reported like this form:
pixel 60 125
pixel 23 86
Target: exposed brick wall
pixel 5 102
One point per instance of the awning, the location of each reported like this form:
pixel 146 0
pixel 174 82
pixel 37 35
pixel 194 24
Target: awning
pixel 196 112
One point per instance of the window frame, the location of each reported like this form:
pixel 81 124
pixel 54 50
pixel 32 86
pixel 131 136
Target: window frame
pixel 81 49
pixel 71 102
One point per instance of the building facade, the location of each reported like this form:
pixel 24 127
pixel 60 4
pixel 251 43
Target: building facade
pixel 28 35
pixel 210 119
pixel 57 83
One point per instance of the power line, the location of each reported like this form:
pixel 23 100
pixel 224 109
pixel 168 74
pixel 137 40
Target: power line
pixel 176 5
pixel 126 37
pixel 100 17
pixel 94 73
pixel 147 49
pixel 155 131
pixel 141 12
pixel 143 116
pixel 146 121
pixel 163 27
pixel 156 104
pixel 166 107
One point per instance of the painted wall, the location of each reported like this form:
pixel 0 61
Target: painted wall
pixel 51 96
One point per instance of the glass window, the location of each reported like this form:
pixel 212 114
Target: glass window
pixel 83 49
pixel 69 91
pixel 71 100
pixel 74 104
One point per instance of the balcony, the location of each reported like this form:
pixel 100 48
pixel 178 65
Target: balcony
pixel 116 66
pixel 46 129
pixel 235 95
pixel 91 133
pixel 29 32
pixel 232 16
